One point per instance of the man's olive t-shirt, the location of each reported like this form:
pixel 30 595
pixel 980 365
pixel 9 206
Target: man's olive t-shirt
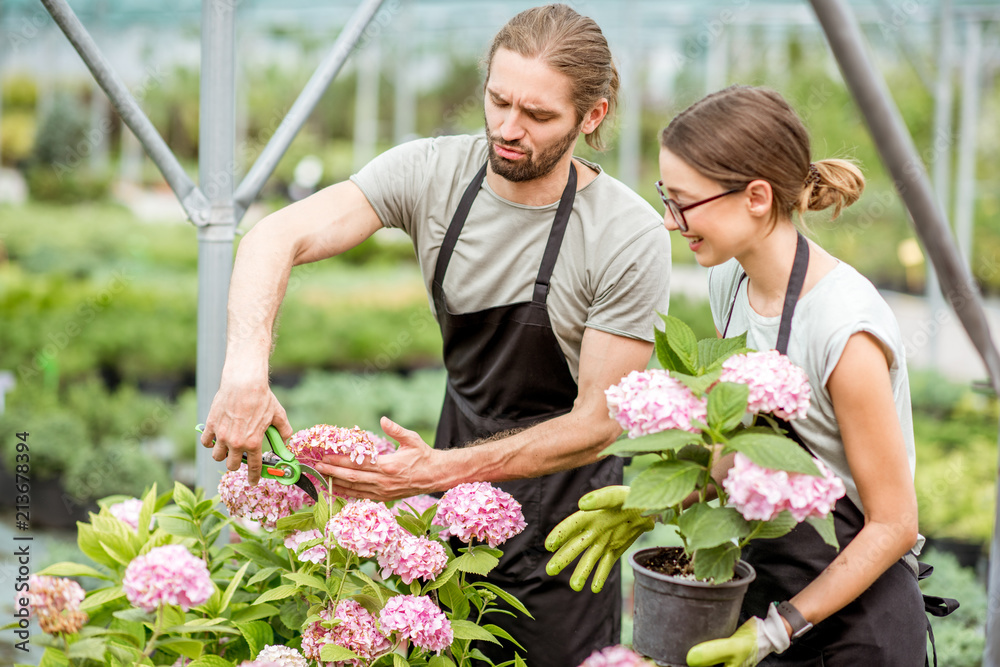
pixel 613 270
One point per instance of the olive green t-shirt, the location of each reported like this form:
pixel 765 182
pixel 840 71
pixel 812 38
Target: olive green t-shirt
pixel 613 269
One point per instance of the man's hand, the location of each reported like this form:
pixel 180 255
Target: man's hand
pixel 236 423
pixel 409 471
pixel 752 642
pixel 603 529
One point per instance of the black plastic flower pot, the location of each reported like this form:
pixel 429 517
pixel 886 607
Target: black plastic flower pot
pixel 672 614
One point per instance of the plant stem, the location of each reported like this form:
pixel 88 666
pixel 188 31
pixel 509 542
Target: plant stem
pixel 157 629
pixel 340 589
pixel 753 534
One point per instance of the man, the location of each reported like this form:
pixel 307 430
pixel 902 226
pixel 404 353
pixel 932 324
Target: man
pixel 545 275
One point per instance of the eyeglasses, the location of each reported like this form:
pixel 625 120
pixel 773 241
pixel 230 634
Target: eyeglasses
pixel 677 211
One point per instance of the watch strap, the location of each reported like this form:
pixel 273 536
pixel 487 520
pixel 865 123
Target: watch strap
pixel 799 624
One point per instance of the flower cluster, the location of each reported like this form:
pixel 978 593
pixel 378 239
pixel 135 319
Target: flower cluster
pixel 278 656
pixel 363 526
pixel 312 444
pixel 314 554
pixel 418 619
pixel 646 402
pixel 128 512
pixel 776 385
pixel 356 630
pixel 267 502
pixel 760 493
pixel 481 511
pixel 615 656
pixel 412 557
pixel 55 601
pixel 167 575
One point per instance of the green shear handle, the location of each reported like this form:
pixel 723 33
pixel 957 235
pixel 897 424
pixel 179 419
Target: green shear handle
pixel 280 464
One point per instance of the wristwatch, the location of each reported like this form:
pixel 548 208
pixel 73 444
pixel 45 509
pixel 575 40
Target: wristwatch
pixel 799 624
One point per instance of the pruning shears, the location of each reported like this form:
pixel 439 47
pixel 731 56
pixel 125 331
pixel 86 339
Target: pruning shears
pixel 281 464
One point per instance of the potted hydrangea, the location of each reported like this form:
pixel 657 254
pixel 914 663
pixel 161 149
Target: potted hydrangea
pixel 299 584
pixel 712 398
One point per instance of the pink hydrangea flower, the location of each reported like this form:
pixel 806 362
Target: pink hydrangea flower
pixel 267 502
pixel 363 526
pixel 413 557
pixel 416 504
pixel 260 663
pixel 481 511
pixel 615 656
pixel 356 631
pixel 761 493
pixel 128 511
pixel 312 444
pixel 777 386
pixel 280 656
pixel 315 554
pixel 55 601
pixel 167 575
pixel 418 619
pixel 646 402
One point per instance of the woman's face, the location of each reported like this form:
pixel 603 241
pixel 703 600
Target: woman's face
pixel 717 230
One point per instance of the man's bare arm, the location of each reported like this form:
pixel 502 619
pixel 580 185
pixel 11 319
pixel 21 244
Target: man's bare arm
pixel 569 441
pixel 329 222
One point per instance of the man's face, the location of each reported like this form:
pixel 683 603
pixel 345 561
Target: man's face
pixel 530 119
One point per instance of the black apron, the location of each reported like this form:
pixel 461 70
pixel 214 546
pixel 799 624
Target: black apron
pixel 885 625
pixel 506 371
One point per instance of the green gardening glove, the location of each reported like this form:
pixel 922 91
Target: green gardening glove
pixel 601 528
pixel 752 642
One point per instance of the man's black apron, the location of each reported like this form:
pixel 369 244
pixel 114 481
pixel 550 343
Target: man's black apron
pixel 885 625
pixel 506 371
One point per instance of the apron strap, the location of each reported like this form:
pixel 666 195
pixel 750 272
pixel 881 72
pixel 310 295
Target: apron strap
pixel 455 228
pixel 555 238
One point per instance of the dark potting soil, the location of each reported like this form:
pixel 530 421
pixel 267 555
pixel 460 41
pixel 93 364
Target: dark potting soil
pixel 671 561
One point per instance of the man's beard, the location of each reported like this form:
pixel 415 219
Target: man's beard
pixel 530 166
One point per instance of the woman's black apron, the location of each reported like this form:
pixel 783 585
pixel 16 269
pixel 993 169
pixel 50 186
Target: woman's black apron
pixel 506 371
pixel 886 625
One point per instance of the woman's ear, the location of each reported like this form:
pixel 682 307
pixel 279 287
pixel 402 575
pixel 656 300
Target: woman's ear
pixel 760 198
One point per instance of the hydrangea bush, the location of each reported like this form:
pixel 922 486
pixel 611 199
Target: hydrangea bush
pixel 335 583
pixel 714 398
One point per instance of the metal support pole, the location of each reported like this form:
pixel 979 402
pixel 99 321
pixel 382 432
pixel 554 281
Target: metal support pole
pixel 216 167
pixel 900 156
pixel 254 181
pixel 190 197
pixel 965 175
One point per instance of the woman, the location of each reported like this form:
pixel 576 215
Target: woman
pixel 736 175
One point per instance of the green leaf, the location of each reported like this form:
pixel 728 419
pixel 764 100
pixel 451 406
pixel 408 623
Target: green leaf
pixel 497 631
pixel 184 497
pixel 297 521
pixel 476 561
pixel 825 529
pixel 178 525
pixel 412 524
pixel 667 357
pixel 117 549
pixel 713 351
pixel 440 661
pixel 451 594
pixel 303 579
pixel 258 635
pixel 54 658
pixel 442 578
pixel 101 596
pixel 399 661
pixel 210 661
pixel 67 569
pixel 680 339
pixel 227 596
pixel 698 384
pixel 203 625
pixel 773 451
pixel 705 526
pixel 334 653
pixel 321 512
pixel 91 648
pixel 293 614
pixel 727 403
pixel 656 442
pixel 134 615
pixel 505 596
pixel 258 554
pixel 663 484
pixel 90 544
pixel 716 564
pixel 469 630
pixel 776 527
pixel 277 593
pixel 699 454
pixel 189 648
pixel 263 574
pixel 253 612
pixel 146 515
